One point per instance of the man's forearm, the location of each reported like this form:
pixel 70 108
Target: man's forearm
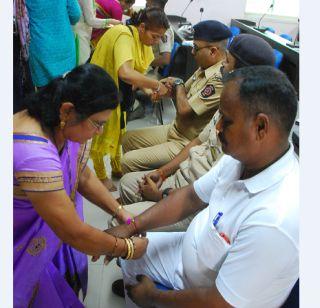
pixel 177 206
pixel 191 298
pixel 171 167
pixel 183 108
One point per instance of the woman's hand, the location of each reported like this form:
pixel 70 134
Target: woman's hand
pixel 114 22
pixel 123 216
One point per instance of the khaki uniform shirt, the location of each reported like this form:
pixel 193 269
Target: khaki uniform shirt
pixel 202 157
pixel 203 93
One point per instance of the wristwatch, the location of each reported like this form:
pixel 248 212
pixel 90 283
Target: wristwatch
pixel 165 192
pixel 178 82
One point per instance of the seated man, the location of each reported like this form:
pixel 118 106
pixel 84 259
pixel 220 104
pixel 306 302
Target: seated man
pixel 198 157
pixel 196 102
pixel 242 248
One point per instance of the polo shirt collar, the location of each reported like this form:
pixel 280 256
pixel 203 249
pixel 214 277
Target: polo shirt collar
pixel 273 174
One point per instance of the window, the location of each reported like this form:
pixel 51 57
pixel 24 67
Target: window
pixel 280 7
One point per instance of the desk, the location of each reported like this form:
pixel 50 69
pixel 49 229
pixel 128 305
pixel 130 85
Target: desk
pixel 290 62
pixel 183 63
pixel 175 22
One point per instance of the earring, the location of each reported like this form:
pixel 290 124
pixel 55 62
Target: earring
pixel 62 124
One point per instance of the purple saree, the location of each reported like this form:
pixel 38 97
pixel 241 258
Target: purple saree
pixel 47 272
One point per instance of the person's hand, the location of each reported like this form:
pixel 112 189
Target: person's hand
pixel 147 91
pixel 142 294
pixel 149 190
pixel 118 231
pixel 123 216
pixel 114 22
pixel 155 176
pixel 156 95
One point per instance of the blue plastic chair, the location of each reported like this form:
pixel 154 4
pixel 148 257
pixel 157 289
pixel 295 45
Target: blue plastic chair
pixel 166 68
pixel 279 57
pixel 161 287
pixel 234 30
pixel 286 36
pixel 270 29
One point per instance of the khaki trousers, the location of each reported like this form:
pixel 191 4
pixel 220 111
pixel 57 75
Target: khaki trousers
pixel 149 148
pixel 134 203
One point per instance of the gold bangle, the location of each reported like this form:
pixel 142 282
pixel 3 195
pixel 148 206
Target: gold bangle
pixel 118 209
pixel 158 89
pixel 129 249
pixel 114 247
pixel 132 248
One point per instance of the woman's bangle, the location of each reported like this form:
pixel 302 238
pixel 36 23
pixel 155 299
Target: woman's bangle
pixel 118 209
pixel 162 175
pixel 115 246
pixel 131 248
pixel 158 89
pixel 106 23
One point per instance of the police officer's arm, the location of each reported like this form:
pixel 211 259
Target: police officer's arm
pixel 184 110
pixel 145 294
pixel 172 166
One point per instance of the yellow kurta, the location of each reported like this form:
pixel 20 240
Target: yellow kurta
pixel 116 47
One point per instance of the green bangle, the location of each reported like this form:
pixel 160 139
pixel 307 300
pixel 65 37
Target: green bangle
pixel 106 24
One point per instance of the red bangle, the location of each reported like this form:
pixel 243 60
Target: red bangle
pixel 162 175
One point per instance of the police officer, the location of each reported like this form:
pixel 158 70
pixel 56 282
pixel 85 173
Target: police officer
pixel 196 102
pixel 198 157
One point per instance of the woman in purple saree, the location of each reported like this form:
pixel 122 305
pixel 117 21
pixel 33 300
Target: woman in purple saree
pixel 51 149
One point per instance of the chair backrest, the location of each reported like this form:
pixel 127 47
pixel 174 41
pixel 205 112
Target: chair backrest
pixel 279 57
pixel 234 30
pixel 183 63
pixel 286 36
pixel 166 68
pixel 270 29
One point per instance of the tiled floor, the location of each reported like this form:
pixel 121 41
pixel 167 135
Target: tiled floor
pixel 101 276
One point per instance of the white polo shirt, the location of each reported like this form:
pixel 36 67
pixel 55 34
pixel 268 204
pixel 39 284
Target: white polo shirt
pixel 260 218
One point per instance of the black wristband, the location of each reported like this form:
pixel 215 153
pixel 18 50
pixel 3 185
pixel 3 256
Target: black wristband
pixel 165 192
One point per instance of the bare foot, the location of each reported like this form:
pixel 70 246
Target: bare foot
pixel 109 184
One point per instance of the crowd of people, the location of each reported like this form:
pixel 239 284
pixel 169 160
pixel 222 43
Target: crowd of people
pixel 208 205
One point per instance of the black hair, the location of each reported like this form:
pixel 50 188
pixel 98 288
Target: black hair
pixel 159 3
pixel 130 1
pixel 266 89
pixel 88 87
pixel 153 17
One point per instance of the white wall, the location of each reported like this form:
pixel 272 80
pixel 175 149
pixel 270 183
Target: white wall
pixel 222 10
pixel 225 10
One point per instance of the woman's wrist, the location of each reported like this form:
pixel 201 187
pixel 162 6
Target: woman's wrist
pixel 117 211
pixel 123 249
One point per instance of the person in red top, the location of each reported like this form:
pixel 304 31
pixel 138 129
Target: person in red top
pixel 109 9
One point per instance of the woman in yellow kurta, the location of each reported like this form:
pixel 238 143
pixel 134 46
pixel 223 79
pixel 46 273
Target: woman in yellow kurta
pixel 125 52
